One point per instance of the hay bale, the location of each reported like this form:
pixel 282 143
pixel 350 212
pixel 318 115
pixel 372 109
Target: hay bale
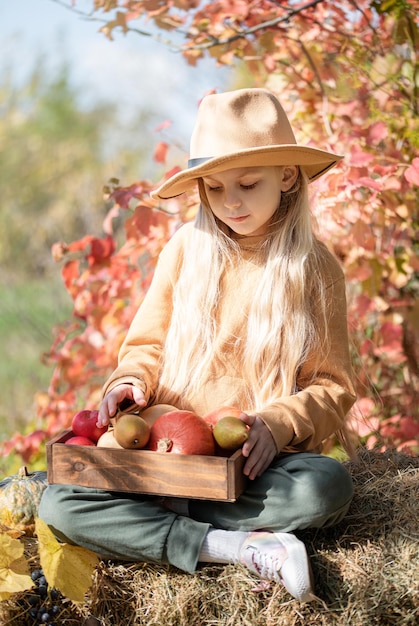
pixel 365 569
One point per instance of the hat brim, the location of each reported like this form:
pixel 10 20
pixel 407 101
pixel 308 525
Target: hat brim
pixel 313 161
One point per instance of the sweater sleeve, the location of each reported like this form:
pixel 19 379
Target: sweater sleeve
pixel 140 353
pixel 300 422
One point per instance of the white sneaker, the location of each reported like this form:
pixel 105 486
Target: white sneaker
pixel 280 557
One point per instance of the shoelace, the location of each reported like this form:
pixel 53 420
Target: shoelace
pixel 265 565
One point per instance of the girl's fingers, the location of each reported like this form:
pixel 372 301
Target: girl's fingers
pixel 109 404
pixel 138 397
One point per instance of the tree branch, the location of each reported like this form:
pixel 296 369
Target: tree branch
pixel 254 29
pixel 213 41
pixel 90 18
pixel 321 87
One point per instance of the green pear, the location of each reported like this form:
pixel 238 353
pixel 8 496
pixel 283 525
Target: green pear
pixel 230 433
pixel 131 431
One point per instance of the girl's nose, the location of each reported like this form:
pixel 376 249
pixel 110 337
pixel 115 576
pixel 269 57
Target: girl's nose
pixel 231 201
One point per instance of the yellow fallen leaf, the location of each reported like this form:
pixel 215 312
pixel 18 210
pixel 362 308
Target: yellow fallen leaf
pixel 66 567
pixel 12 532
pixel 14 568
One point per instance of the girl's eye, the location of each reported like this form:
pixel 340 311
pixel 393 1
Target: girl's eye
pixel 217 188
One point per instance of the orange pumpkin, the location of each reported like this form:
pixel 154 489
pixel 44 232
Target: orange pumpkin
pixel 181 432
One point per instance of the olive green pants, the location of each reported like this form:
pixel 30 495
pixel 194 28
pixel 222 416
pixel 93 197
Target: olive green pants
pixel 298 491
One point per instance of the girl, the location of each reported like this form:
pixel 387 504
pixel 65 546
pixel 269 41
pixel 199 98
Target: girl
pixel 247 308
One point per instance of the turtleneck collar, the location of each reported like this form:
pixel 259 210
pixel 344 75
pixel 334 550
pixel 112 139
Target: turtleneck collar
pixel 252 242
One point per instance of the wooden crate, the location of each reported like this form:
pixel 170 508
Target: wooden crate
pixel 145 471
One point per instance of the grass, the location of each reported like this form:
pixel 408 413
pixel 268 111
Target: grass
pixel 28 312
pixel 366 572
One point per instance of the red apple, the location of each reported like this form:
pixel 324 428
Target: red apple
pixel 84 425
pixel 80 441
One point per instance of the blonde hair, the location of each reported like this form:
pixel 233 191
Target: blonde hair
pixel 280 331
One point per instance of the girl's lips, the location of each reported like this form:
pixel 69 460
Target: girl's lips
pixel 238 219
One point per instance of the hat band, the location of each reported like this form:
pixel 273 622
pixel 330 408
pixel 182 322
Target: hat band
pixel 198 161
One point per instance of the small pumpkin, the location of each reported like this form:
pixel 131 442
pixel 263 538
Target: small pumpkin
pixel 218 414
pixel 181 432
pixel 20 496
pixel 151 413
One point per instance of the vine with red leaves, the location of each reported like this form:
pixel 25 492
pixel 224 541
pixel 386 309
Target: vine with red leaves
pixel 347 76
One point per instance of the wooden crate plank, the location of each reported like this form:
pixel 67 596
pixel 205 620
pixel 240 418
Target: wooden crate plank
pixel 144 471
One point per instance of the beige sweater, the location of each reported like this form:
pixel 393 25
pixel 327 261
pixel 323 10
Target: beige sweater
pixel 297 422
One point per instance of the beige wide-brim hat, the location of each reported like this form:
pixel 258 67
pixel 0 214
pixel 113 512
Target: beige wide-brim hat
pixel 243 128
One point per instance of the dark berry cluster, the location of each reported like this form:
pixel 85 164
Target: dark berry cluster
pixel 44 601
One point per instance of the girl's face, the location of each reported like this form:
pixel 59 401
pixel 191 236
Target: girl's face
pixel 245 199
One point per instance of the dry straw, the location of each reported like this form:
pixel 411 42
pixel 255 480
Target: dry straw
pixel 366 572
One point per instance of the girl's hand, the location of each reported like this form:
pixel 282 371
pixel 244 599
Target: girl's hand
pixel 260 448
pixel 109 405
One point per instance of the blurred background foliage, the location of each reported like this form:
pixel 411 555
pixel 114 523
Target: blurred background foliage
pixel 55 158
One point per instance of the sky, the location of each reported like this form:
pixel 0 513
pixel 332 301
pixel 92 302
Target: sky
pixel 132 71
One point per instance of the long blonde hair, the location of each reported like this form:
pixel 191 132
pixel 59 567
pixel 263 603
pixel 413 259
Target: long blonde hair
pixel 280 331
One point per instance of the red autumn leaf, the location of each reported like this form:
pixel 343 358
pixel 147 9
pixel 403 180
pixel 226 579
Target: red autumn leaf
pixel 372 183
pixel 82 304
pixel 391 344
pixel 360 418
pixel 101 249
pixel 172 172
pixel 391 333
pixel 359 272
pixel 70 273
pixel 363 235
pixel 364 304
pixel 412 172
pixel 347 108
pixel 377 132
pixel 363 407
pixel 358 157
pixel 80 244
pixel 401 430
pixel 163 126
pixel 409 428
pixel 366 347
pixel 24 445
pixel 122 196
pixel 142 220
pixel 160 152
pixel 409 447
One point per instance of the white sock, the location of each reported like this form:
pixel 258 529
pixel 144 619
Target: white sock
pixel 222 546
